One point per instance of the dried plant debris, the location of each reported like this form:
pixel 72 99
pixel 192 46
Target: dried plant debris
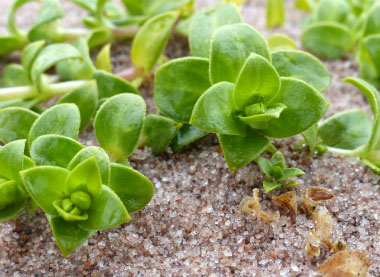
pixel 313 244
pixel 339 245
pixel 319 193
pixel 346 263
pixel 323 224
pixel 288 199
pixel 251 205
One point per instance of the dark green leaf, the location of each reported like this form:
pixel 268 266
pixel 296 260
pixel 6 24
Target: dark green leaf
pixel 186 135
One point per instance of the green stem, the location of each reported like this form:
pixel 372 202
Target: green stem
pixel 346 153
pixel 26 92
pixel 71 34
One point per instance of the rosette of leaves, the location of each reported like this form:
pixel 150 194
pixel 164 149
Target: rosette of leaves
pixel 86 191
pixel 277 172
pixel 244 93
pixel 13 197
pixel 353 132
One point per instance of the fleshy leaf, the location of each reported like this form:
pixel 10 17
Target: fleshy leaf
pixel 214 111
pixel 118 124
pixel 29 54
pixel 85 177
pixel 12 200
pixel 327 39
pixel 278 42
pixel 67 234
pixel 77 69
pixel 260 121
pixel 101 159
pixel 290 173
pixel 151 40
pixel 302 66
pixel 103 60
pixel 85 98
pixel 205 22
pixel 230 47
pixel 11 160
pixel 257 78
pixel 10 44
pixel 133 188
pixel 373 21
pixel 347 130
pixel 275 13
pixel 45 184
pixel 54 150
pixel 159 132
pixel 48 57
pixel 15 123
pixel 265 165
pixel 269 186
pixel 106 211
pixel 305 107
pixel 186 135
pixel 240 151
pixel 62 119
pixel 178 85
pixel 110 85
pixel 332 10
pixel 99 36
pixel 14 75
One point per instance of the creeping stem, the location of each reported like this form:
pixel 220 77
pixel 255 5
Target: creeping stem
pixel 26 92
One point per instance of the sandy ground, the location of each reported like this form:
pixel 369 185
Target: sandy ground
pixel 191 227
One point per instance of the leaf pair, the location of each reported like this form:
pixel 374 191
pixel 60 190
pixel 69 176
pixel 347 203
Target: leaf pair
pixel 79 187
pixel 353 132
pixel 243 90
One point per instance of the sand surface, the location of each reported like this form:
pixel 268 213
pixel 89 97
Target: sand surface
pixel 191 227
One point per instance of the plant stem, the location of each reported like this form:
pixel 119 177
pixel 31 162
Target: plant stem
pixel 125 32
pixel 70 34
pixel 26 92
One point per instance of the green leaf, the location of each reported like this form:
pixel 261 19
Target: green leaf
pixel 347 130
pixel 205 22
pixel 369 67
pixel 186 135
pixel 11 160
pixel 99 36
pixel 89 5
pixel 332 10
pixel 106 211
pixel 230 47
pixel 327 39
pixel 278 42
pixel 15 123
pixel 85 177
pixel 77 69
pixel 278 159
pixel 290 173
pixel 311 137
pixel 85 98
pixel 12 14
pixel 101 159
pixel 48 57
pixel 9 44
pixel 62 119
pixel 118 124
pixel 151 39
pixel 54 150
pixel 67 234
pixel 257 78
pixel 103 60
pixel 29 54
pixel 265 165
pixel 214 111
pixel 45 184
pixel 269 186
pixel 12 200
pixel 240 151
pixel 372 166
pixel 275 13
pixel 260 121
pixel 159 132
pixel 133 188
pixel 110 85
pixel 178 85
pixel 372 25
pixel 302 66
pixel 305 107
pixel 373 98
pixel 14 75
pixel 50 11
